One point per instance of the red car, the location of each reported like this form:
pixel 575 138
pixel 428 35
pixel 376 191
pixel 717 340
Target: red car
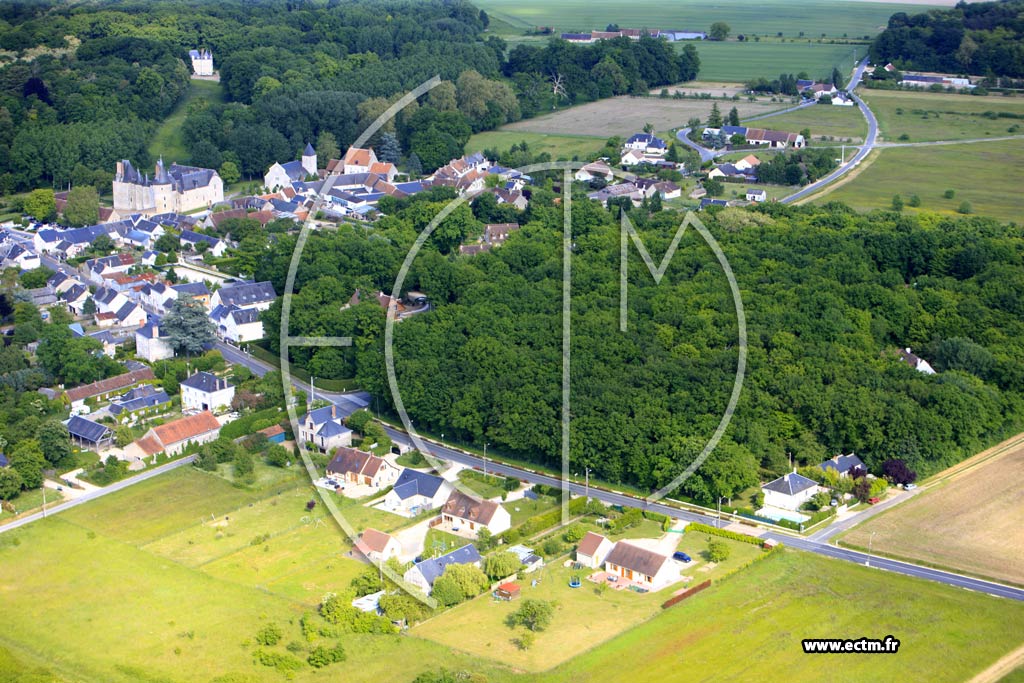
pixel 873 500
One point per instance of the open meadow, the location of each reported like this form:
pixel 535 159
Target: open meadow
pixel 839 123
pixel 969 521
pixel 811 18
pixel 167 142
pixel 558 146
pixel 988 175
pixel 923 116
pixel 741 62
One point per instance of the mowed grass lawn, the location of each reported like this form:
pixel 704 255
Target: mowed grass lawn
pixel 749 628
pixel 167 141
pixel 762 17
pixel 923 116
pixel 971 522
pixel 740 62
pixel 989 175
pixel 839 123
pixel 585 616
pixel 560 147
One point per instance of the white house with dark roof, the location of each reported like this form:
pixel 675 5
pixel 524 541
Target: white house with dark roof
pixel 467 514
pixel 789 491
pixel 756 194
pixel 237 324
pixel 151 343
pixel 283 175
pixel 424 574
pixel 245 295
pixel 646 144
pixel 415 492
pixel 190 239
pixel 325 428
pixel 842 464
pixel 643 567
pixel 205 391
pixel 916 362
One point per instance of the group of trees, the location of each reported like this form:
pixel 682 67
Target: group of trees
pixel 797 167
pixel 980 38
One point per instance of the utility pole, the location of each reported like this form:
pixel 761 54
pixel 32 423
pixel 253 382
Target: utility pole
pixel 312 391
pixel 587 485
pixel 871 540
pixel 485 457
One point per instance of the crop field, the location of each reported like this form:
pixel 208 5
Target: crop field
pixel 625 115
pixel 970 522
pixel 988 175
pixel 823 121
pixel 923 116
pixel 740 62
pixel 759 615
pixel 760 17
pixel 560 147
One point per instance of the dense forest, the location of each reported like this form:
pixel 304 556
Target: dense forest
pixel 82 85
pixel 984 39
pixel 830 297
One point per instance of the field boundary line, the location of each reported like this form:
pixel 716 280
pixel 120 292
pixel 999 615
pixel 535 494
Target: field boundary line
pixel 1002 667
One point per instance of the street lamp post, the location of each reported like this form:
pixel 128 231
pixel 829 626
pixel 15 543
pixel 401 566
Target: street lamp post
pixel 485 457
pixel 587 484
pixel 871 540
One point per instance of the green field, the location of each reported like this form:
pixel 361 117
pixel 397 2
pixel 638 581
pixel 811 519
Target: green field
pixel 741 62
pixel 30 501
pixel 558 146
pixel 822 120
pixel 750 626
pixel 986 174
pixel 752 17
pixel 167 141
pixel 922 116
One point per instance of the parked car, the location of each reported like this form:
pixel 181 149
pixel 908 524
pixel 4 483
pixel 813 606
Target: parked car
pixel 874 500
pixel 681 556
pixel 910 487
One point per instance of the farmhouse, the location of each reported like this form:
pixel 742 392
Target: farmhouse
pixel 205 391
pixel 462 512
pixel 426 572
pixel 644 567
pixel 759 136
pixel 357 467
pixel 789 491
pixel 592 550
pixel 325 429
pixel 929 80
pixel 172 438
pixel 378 546
pixel 415 492
pixel 842 464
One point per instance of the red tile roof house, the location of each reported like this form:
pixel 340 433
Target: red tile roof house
pixel 378 546
pixel 357 467
pixel 172 438
pixel 592 550
pixel 643 567
pixel 105 388
pixel 467 514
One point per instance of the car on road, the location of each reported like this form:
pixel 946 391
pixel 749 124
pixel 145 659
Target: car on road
pixel 910 487
pixel 681 556
pixel 874 500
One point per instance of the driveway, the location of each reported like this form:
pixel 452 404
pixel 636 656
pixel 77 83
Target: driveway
pixel 412 539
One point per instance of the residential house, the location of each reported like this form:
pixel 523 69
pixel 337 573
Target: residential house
pixel 644 567
pixel 16 256
pixel 512 197
pixel 96 269
pixel 415 492
pixel 360 468
pixel 462 512
pixel 916 362
pixel 592 550
pixel 497 233
pixel 424 574
pixel 151 343
pixel 105 388
pixel 89 434
pixel 378 546
pixel 257 295
pixel 732 171
pixel 668 190
pixel 632 157
pixel 595 169
pixel 647 144
pixel 748 162
pixel 626 189
pixel 530 560
pixel 130 315
pixel 474 249
pixel 237 324
pixel 190 239
pixel 109 300
pixel 756 195
pixel 76 297
pixel 144 399
pixel 356 160
pixel 842 464
pixel 325 429
pixel 707 201
pixel 842 100
pixel 789 491
pixel 816 90
pixel 759 136
pixel 205 391
pixel 173 437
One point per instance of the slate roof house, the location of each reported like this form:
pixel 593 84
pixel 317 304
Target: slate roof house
pixel 415 492
pixel 426 572
pixel 283 175
pixel 151 343
pixel 843 464
pixel 325 429
pixel 789 491
pixel 205 391
pixel 143 399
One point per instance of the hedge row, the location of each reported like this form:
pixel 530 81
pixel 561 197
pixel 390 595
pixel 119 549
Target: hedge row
pixel 248 424
pixel 685 594
pixel 724 533
pixel 656 516
pixel 545 520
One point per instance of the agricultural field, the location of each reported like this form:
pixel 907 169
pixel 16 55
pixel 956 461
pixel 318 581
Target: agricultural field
pixel 167 141
pixel 924 116
pixel 30 501
pixel 560 147
pixel 625 115
pixel 988 175
pixel 740 62
pixel 823 120
pixel 760 615
pixel 751 17
pixel 969 521
pixel 585 616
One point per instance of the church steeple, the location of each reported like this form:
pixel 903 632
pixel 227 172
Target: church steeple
pixel 309 160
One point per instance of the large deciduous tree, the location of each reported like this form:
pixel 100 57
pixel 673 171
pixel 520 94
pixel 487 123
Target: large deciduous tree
pixel 83 206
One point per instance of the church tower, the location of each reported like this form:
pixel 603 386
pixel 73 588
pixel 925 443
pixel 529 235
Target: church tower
pixel 309 159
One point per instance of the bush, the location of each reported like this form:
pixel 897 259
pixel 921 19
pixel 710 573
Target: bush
pixel 282 662
pixel 269 635
pixel 724 533
pixel 321 656
pixel 246 424
pixel 574 533
pixel 718 551
pixel 949 194
pixel 965 208
pixel 535 615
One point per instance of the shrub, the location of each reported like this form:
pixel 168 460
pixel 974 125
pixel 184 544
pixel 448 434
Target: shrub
pixel 914 201
pixel 949 194
pixel 535 615
pixel 269 635
pixel 718 551
pixel 724 533
pixel 965 208
pixel 276 660
pixel 321 656
pixel 574 533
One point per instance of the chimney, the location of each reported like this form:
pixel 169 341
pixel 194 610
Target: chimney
pixel 334 411
pixel 120 170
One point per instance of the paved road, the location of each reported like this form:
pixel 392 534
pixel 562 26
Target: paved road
pixel 831 530
pixel 98 493
pixel 948 578
pixel 869 142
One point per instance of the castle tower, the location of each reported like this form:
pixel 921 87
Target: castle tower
pixel 309 159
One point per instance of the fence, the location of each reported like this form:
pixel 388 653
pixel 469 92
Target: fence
pixel 685 594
